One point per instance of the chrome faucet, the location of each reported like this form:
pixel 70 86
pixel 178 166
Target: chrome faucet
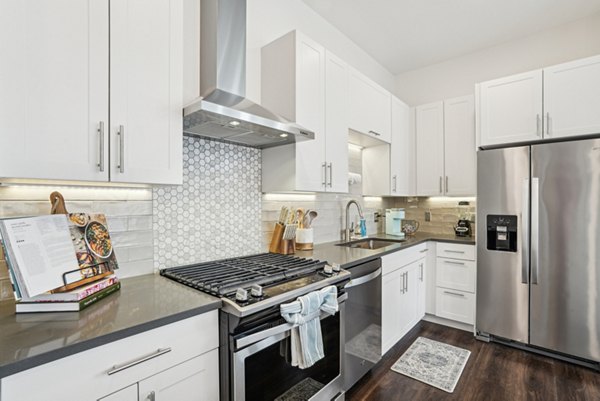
pixel 360 213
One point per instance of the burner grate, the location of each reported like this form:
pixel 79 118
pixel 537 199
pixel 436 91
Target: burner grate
pixel 223 277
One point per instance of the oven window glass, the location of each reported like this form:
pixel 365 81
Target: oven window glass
pixel 270 376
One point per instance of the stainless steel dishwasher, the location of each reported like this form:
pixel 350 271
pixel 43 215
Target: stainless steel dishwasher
pixel 362 321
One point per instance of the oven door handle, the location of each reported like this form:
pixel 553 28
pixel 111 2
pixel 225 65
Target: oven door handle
pixel 282 328
pixel 364 279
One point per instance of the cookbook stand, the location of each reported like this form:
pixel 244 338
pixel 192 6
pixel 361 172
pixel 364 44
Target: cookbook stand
pixel 58 207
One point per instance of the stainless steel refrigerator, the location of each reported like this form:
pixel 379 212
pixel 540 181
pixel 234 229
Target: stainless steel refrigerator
pixel 538 247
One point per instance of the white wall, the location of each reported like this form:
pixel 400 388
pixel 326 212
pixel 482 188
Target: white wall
pixel 270 19
pixel 458 76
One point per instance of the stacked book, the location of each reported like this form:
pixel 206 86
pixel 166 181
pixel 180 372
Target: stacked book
pixel 59 262
pixel 71 301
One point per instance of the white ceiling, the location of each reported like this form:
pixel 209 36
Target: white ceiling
pixel 407 34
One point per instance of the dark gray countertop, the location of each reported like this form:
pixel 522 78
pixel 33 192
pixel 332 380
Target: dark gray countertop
pixel 348 257
pixel 144 303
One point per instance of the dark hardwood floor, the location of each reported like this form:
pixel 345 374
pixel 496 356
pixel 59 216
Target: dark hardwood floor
pixel 493 372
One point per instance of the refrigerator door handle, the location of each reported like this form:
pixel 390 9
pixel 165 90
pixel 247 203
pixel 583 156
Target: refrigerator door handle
pixel 525 232
pixel 535 229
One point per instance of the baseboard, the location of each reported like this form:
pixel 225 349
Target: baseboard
pixel 449 323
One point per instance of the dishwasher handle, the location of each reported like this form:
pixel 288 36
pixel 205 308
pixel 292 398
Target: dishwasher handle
pixel 363 279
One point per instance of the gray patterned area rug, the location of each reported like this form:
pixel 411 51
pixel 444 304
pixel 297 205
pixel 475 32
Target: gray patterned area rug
pixel 437 364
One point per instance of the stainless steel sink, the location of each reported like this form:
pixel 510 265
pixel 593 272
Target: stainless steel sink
pixel 370 243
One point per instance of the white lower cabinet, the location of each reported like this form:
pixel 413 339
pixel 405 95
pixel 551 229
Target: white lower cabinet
pixel 403 293
pixel 455 276
pixel 178 361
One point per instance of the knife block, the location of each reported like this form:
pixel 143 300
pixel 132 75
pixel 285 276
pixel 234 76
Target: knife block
pixel 277 238
pixel 287 247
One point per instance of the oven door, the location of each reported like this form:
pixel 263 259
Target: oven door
pixel 262 367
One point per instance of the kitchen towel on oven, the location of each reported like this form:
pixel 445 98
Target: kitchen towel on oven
pixel 305 312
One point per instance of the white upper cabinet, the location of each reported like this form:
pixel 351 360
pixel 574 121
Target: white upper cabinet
pixel 446 156
pixel 429 127
pixel 511 109
pixel 56 118
pixel 336 123
pixel 304 83
pixel 572 98
pixel 146 91
pixel 54 89
pixel 460 157
pixel 402 151
pixel 370 107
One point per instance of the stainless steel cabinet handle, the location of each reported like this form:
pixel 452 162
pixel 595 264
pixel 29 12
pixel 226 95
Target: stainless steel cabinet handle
pixel 441 184
pixel 118 368
pixel 101 146
pixel 424 250
pixel 121 134
pixel 547 123
pixel 330 174
pixel 538 121
pixel 525 232
pixel 421 266
pixel 535 229
pixel 450 262
pixel 395 180
pixel 406 282
pixel 151 396
pixel 403 290
pixel 446 183
pixel 324 167
pixel 452 251
pixel 454 293
pixel 375 133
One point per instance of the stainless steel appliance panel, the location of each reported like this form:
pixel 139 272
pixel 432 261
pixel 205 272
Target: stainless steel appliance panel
pixel 502 289
pixel 363 327
pixel 565 284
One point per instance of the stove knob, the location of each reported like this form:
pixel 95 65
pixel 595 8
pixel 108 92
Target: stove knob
pixel 336 267
pixel 328 269
pixel 241 295
pixel 256 291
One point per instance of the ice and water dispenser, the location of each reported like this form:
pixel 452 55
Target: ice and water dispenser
pixel 502 233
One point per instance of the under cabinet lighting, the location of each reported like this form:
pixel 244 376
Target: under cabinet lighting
pixel 355 148
pixel 372 198
pixel 452 199
pixel 290 197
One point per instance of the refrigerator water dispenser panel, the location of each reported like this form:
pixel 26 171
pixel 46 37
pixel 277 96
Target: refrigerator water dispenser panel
pixel 502 233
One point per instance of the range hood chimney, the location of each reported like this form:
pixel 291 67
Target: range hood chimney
pixel 223 112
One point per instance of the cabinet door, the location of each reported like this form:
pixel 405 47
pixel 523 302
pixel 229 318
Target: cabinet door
pixel 127 394
pixel 336 123
pixel 391 288
pixel 310 113
pixel 370 107
pixel 421 288
pixel 511 109
pixel 572 98
pixel 429 126
pixel 146 91
pixel 460 157
pixel 430 280
pixel 409 299
pixel 54 89
pixel 402 151
pixel 194 380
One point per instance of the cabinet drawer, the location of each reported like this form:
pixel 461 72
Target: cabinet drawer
pixel 455 274
pixel 456 251
pixel 86 374
pixel 397 260
pixel 455 305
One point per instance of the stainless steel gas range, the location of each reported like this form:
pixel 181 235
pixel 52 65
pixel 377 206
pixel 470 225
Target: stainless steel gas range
pixel 254 339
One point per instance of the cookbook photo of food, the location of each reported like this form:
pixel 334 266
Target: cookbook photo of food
pixel 93 245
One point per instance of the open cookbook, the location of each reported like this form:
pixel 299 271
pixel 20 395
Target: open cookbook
pixel 56 252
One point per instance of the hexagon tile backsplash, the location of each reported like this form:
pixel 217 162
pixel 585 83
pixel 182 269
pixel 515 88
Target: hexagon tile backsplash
pixel 216 213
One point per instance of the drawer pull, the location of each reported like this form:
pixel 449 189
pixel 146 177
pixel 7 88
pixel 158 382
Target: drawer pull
pixel 452 251
pixel 151 396
pixel 424 250
pixel 454 293
pixel 450 262
pixel 118 368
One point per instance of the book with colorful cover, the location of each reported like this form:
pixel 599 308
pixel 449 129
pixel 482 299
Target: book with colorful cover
pixel 75 295
pixel 33 307
pixel 48 252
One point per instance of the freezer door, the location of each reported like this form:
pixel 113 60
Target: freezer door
pixel 502 273
pixel 565 268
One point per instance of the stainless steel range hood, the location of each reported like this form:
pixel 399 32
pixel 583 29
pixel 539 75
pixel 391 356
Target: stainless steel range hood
pixel 223 112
